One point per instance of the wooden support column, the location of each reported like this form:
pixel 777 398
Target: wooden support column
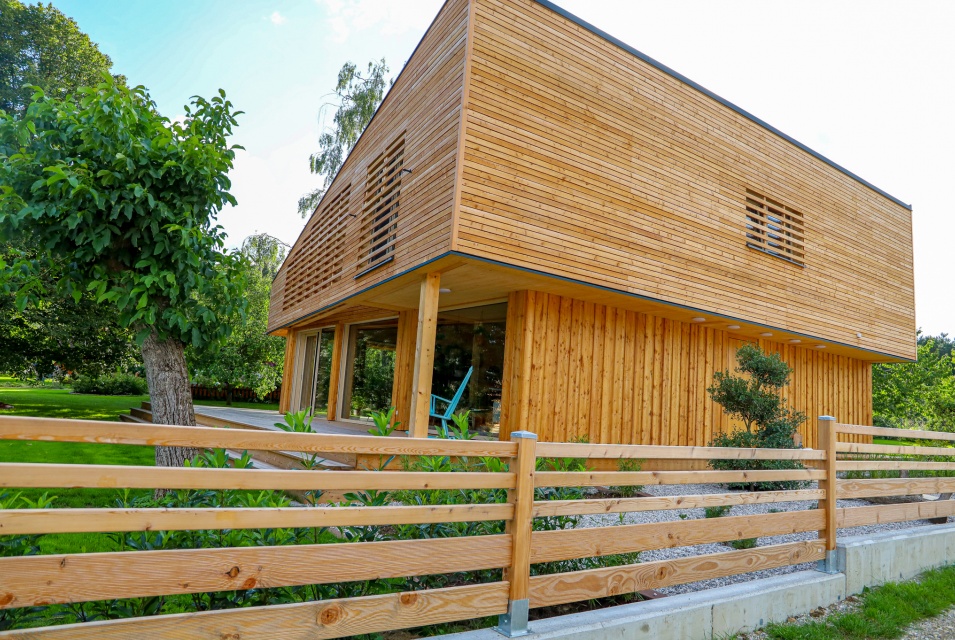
pixel 334 376
pixel 827 441
pixel 404 368
pixel 424 355
pixel 288 373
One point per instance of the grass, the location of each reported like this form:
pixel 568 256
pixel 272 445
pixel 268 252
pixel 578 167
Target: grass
pixel 886 612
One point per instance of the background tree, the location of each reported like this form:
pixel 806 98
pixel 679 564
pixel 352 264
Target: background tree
pixel 126 200
pixel 920 394
pixel 358 98
pixel 248 358
pixel 40 46
pixel 754 398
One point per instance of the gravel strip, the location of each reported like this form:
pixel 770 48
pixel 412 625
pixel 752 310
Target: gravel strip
pixel 645 517
pixel 941 627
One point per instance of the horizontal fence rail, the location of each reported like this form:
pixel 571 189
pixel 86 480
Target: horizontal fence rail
pixel 914 478
pixel 539 528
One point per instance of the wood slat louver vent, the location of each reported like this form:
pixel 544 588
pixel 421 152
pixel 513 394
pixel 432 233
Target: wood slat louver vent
pixel 380 215
pixel 318 265
pixel 774 228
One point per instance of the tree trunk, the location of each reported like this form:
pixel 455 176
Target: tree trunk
pixel 169 393
pixel 228 395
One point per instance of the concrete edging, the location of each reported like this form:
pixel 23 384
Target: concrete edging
pixel 863 561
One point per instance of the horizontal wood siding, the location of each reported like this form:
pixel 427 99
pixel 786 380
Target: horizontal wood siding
pixel 583 161
pixel 639 379
pixel 423 106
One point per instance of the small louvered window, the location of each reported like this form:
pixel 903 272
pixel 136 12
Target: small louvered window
pixel 774 228
pixel 380 214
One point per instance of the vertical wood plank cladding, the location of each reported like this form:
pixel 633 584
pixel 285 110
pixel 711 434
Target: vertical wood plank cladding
pixel 583 161
pixel 425 106
pixel 285 397
pixel 640 379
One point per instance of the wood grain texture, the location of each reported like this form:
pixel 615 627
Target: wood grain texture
pixel 583 161
pixel 43 521
pixel 423 105
pixel 39 475
pixel 664 353
pixel 893 465
pixel 888 513
pixel 105 432
pixel 896 487
pixel 651 452
pixel 627 478
pixel 561 588
pixel 888 432
pixel 303 621
pixel 627 505
pixel 521 498
pixel 37 580
pixel 888 449
pixel 550 546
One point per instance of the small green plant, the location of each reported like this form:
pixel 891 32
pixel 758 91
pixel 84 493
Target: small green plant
pixel 297 422
pixel 385 423
pixel 717 512
pixel 460 429
pixel 743 543
pixel 628 465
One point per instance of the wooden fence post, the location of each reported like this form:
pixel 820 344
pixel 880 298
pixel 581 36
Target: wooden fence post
pixel 518 574
pixel 827 442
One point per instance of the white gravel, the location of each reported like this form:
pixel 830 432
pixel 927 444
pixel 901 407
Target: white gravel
pixel 643 517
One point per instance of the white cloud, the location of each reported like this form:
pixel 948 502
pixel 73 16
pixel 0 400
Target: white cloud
pixel 384 17
pixel 277 18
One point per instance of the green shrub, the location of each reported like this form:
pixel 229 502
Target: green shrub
pixel 754 398
pixel 117 384
pixel 744 543
pixel 717 512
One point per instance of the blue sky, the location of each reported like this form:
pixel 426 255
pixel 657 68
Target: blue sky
pixel 865 82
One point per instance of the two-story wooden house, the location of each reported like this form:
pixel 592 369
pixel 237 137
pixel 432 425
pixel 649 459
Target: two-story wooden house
pixel 586 236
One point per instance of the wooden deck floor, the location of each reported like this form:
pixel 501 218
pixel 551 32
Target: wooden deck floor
pixel 265 419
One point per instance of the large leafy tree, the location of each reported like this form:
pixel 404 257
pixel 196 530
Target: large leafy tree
pixel 920 394
pixel 40 46
pixel 123 201
pixel 249 358
pixel 358 95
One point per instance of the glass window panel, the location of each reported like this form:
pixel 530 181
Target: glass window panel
pixel 370 369
pixel 469 338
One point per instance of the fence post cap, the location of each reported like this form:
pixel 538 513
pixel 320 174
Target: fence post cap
pixel 827 418
pixel 520 435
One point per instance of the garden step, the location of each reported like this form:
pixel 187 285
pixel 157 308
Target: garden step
pixel 125 417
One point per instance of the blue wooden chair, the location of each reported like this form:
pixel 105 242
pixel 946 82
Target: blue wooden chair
pixel 452 404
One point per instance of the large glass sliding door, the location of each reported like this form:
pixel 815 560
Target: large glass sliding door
pixel 316 371
pixel 370 368
pixel 471 341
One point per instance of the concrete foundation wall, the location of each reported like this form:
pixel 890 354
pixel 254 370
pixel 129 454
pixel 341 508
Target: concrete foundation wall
pixel 862 561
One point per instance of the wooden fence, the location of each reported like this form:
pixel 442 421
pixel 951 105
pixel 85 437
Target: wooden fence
pixel 48 579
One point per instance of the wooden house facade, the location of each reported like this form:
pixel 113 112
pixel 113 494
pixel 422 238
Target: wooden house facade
pixel 585 236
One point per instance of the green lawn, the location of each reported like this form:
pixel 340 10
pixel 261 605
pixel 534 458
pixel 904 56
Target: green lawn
pixel 886 611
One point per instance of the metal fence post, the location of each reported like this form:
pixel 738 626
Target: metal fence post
pixel 514 623
pixel 827 442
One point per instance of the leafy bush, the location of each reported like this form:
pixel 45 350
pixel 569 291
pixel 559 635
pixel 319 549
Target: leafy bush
pixel 117 384
pixel 717 512
pixel 744 543
pixel 754 398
